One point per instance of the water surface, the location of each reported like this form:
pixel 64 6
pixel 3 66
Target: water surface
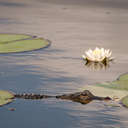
pixel 73 27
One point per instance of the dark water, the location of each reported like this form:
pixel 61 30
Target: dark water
pixel 73 27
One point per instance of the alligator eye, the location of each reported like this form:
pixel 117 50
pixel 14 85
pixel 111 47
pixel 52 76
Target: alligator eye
pixel 107 98
pixel 84 94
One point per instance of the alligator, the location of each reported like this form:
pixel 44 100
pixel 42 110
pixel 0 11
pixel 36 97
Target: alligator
pixel 117 91
pixel 83 97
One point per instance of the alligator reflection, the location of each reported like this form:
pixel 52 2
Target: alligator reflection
pixel 80 97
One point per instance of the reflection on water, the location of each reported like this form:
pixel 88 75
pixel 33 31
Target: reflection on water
pixel 59 69
pixel 96 66
pixel 26 72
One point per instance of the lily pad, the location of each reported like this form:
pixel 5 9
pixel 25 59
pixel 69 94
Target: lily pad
pixel 5 97
pixel 10 43
pixel 117 88
pixel 119 84
pixel 106 92
pixel 4 38
pixel 124 101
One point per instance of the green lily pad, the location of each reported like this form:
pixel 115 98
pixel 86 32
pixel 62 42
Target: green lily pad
pixel 124 101
pixel 104 92
pixel 119 84
pixel 4 38
pixel 11 43
pixel 117 88
pixel 123 77
pixel 5 97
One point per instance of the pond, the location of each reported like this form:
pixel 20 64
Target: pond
pixel 72 27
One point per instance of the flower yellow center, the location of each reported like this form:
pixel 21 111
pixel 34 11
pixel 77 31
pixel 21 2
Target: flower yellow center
pixel 96 52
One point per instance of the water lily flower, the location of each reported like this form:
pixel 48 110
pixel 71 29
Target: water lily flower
pixel 98 55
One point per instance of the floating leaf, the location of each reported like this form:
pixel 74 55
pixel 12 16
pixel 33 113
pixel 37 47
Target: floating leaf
pixel 104 92
pixel 5 97
pixel 10 43
pixel 13 37
pixel 117 88
pixel 119 84
pixel 124 101
pixel 123 77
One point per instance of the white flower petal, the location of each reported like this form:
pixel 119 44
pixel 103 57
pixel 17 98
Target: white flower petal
pixel 83 56
pixel 97 55
pixel 89 57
